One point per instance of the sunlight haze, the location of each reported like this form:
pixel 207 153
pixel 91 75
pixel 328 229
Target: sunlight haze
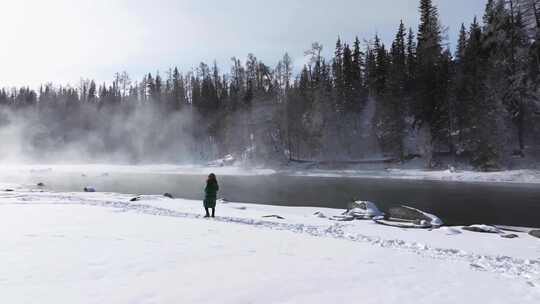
pixel 61 41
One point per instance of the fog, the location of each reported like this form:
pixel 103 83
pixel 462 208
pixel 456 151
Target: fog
pixel 89 134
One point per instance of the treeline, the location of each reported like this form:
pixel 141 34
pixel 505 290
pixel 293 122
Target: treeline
pixel 477 104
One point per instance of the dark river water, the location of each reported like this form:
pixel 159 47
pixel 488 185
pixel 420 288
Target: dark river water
pixel 457 203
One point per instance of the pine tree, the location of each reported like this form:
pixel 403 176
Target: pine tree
pixel 151 87
pixel 349 101
pixel 381 67
pixel 371 69
pixel 358 79
pixel 506 45
pixel 390 100
pixel 462 44
pixel 399 59
pixel 178 90
pixel 92 91
pixel 477 125
pixel 157 89
pixel 431 102
pixel 411 66
pixel 337 71
pixel 518 101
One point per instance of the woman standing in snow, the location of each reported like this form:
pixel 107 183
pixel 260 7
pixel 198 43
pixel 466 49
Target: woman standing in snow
pixel 210 192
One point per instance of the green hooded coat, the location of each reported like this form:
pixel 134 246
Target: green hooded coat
pixel 210 195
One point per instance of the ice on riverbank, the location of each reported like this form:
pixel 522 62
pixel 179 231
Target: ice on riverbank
pixel 512 176
pixel 103 170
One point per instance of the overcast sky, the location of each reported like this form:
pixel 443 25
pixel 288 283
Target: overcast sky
pixel 63 40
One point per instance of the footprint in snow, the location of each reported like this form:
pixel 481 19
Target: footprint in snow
pixel 478 267
pixel 274 216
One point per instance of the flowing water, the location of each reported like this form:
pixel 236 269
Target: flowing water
pixel 457 203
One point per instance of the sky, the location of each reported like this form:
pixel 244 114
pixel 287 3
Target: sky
pixel 61 41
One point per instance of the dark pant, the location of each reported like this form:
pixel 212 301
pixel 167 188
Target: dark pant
pixel 213 212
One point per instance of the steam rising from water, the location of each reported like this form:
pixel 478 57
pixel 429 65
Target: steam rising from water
pixel 141 134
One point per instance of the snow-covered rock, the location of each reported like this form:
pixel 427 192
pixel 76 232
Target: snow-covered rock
pixel 483 229
pixel 89 189
pixel 168 195
pixel 509 236
pixel 406 213
pixel 364 210
pixel 227 160
pixel 319 214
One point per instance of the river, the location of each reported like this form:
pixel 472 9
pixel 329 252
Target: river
pixel 457 203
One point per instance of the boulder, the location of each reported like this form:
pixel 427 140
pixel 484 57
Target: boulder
pixel 363 210
pixel 535 233
pixel 410 214
pixel 40 184
pixel 89 189
pixel 319 214
pixel 509 236
pixel 168 195
pixel 135 199
pixel 482 229
pixel 227 160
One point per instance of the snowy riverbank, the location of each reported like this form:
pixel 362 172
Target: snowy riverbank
pixel 101 247
pixel 510 176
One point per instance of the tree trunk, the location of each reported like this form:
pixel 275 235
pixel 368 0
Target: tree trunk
pixel 521 129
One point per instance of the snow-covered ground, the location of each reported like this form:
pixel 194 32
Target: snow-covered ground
pixel 103 248
pixel 510 176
